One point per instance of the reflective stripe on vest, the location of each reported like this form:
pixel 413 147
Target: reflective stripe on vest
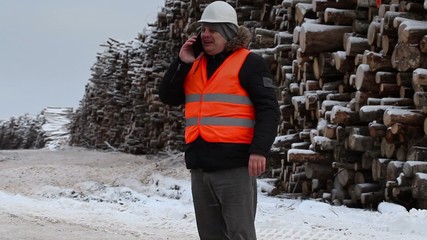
pixel 218 109
pixel 218 98
pixel 220 121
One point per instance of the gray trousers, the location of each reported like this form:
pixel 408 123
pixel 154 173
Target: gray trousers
pixel 225 204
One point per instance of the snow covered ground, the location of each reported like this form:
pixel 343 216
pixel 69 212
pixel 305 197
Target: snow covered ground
pixel 75 193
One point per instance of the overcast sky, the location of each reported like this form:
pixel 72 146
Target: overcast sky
pixel 47 47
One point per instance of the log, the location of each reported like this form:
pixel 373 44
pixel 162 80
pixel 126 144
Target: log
pixel 285 141
pixel 345 177
pixel 302 11
pixel 317 185
pixel 301 156
pixel 419 186
pixel 315 38
pixel 343 17
pixel 296 34
pixel 363 177
pixel 330 131
pixel 406 92
pixel 377 61
pixel 343 62
pixel 423 44
pixel 369 198
pixel 417 153
pixel 377 130
pixel 332 87
pixel 299 103
pixel 318 171
pixel 382 9
pixel 322 5
pixel 373 30
pixel 414 7
pixel 321 143
pixel 410 168
pixel 388 145
pixel 327 105
pixel 404 116
pixel 411 31
pixel 365 188
pixel 300 145
pixel 356 45
pixel 385 77
pixel 389 90
pixel 350 166
pixel 341 97
pixel 379 169
pixel 365 79
pixel 420 99
pixel 404 79
pixel 365 3
pixel 406 57
pixel 360 26
pixel 344 115
pixel 403 195
pixel 401 153
pixel 419 77
pixel 394 168
pixel 375 112
pixel 323 66
pixel 389 17
pixel 299 176
pixel 361 143
pixel 387 44
pixel 362 97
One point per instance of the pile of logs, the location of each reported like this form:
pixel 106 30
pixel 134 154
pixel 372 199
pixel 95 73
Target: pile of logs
pixel 350 74
pixel 49 129
pixel 20 133
pixel 121 109
pixel 55 128
pixel 353 103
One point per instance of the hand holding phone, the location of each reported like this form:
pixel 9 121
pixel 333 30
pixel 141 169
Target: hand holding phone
pixel 197 46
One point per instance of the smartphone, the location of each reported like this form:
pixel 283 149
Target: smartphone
pixel 197 45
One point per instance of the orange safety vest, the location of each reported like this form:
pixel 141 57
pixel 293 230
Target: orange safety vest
pixel 218 109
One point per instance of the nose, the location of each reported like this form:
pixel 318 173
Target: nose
pixel 206 34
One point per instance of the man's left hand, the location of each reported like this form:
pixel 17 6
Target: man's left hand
pixel 256 164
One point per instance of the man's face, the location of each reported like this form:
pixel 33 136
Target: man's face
pixel 213 42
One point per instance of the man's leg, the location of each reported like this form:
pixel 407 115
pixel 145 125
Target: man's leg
pixel 210 223
pixel 236 192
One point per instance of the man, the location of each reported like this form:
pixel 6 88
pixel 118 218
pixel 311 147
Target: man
pixel 231 121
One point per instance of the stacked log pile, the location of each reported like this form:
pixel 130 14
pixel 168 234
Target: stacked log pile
pixel 55 128
pixel 350 76
pixel 357 102
pixel 49 129
pixel 20 133
pixel 121 109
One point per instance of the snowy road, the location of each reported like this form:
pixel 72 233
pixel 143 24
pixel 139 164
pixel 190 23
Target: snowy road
pixel 82 194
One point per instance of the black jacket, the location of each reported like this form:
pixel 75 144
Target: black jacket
pixel 256 79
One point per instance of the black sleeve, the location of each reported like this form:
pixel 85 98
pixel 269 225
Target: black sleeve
pixel 256 79
pixel 171 89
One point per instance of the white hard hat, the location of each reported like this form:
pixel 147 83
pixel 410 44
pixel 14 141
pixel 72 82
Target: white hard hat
pixel 219 12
